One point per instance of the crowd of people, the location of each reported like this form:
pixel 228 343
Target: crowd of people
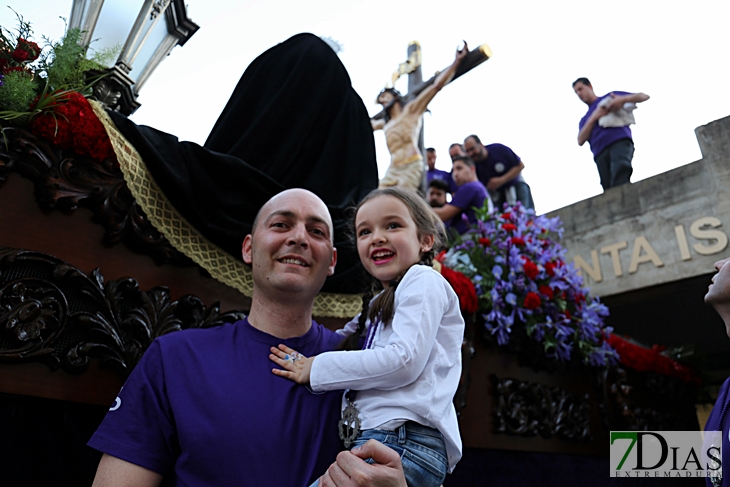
pixel 480 174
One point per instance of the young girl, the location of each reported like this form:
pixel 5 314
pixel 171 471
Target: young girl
pixel 402 377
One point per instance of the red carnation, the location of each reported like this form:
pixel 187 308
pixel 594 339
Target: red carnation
pixel 510 227
pixel 73 125
pixel 550 268
pixel 546 291
pixel 506 216
pixel 19 55
pixel 26 50
pixel 518 241
pixel 464 289
pixel 567 314
pixel 532 301
pixel 485 241
pixel 531 270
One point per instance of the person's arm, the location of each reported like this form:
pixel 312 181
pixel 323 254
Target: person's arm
pixel 447 212
pixel 418 311
pixel 350 469
pixel 377 124
pixel 115 472
pixel 585 131
pixel 497 182
pixel 618 101
pixel 419 105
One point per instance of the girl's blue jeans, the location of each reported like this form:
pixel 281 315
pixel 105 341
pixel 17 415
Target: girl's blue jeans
pixel 422 452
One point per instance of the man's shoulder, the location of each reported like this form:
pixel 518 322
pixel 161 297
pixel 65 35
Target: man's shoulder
pixel 496 146
pixel 467 193
pixel 475 187
pixel 499 150
pixel 196 337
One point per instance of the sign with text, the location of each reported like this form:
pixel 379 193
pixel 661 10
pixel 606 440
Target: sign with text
pixel 666 454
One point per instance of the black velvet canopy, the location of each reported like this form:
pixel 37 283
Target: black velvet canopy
pixel 293 121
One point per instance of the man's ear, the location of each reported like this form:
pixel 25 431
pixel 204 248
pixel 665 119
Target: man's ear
pixel 246 249
pixel 333 263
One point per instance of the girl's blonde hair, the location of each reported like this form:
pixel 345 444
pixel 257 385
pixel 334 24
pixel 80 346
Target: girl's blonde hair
pixel 427 223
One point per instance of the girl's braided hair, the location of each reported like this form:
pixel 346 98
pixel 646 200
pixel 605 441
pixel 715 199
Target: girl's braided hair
pixel 427 223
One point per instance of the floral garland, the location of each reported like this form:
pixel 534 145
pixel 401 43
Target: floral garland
pixel 520 278
pixel 651 360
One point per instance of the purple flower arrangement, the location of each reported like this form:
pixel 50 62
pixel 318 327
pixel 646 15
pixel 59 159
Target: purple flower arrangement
pixel 522 280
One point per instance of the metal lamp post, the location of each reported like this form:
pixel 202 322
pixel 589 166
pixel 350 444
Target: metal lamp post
pixel 159 26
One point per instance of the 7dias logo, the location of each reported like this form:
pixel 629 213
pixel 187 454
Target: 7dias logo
pixel 666 454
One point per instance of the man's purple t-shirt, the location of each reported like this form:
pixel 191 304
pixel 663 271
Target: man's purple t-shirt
pixel 470 195
pixel 602 137
pixel 443 176
pixel 500 159
pixel 204 409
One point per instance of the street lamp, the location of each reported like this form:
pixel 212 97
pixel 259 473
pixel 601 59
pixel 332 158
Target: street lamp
pixel 147 39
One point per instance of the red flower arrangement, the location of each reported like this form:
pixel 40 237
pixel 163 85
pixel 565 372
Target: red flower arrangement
pixel 72 124
pixel 463 287
pixel 650 359
pixel 25 50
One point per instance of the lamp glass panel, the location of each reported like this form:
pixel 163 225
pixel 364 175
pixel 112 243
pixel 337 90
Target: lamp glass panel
pixel 155 38
pixel 115 21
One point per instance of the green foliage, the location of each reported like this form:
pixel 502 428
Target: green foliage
pixel 62 66
pixel 18 91
pixel 102 58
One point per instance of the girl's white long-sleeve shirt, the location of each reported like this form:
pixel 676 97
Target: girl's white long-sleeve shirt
pixel 412 369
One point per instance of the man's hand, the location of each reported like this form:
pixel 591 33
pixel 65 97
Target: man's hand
pixel 616 103
pixel 296 366
pixel 351 471
pixel 495 183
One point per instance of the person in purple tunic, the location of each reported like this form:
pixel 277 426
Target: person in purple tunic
pixel 202 407
pixel 612 146
pixel 459 214
pixel 718 296
pixel 500 171
pixel 433 173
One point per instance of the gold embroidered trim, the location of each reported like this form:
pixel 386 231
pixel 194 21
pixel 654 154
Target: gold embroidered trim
pixel 185 238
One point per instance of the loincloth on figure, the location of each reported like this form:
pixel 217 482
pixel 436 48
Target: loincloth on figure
pixel 408 174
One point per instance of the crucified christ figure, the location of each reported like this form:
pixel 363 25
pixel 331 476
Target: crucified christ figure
pixel 402 126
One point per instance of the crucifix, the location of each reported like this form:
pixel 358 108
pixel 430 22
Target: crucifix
pixel 402 116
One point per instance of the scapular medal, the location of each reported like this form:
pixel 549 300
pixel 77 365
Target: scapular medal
pixel 716 472
pixel 349 425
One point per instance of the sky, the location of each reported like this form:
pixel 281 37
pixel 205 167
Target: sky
pixel 522 97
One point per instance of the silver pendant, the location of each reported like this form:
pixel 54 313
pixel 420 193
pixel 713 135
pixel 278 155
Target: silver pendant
pixel 715 473
pixel 349 425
